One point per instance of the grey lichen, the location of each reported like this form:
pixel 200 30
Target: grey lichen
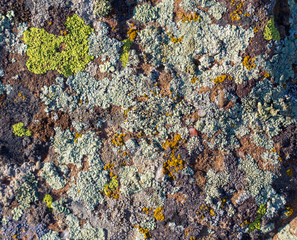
pixel 27 193
pixel 129 180
pixel 88 183
pixel 87 232
pixel 102 8
pixel 72 149
pixel 215 181
pixel 145 13
pixel 52 177
pixel 259 182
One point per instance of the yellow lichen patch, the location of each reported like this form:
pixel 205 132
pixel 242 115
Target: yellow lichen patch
pixel 248 62
pixel 118 139
pixel 48 199
pixel 158 214
pixel 111 189
pixel 77 135
pixel 290 172
pixel 221 79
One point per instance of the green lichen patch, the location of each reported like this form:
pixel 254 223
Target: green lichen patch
pixel 256 224
pixel 67 54
pixel 125 55
pixel 270 31
pixel 19 130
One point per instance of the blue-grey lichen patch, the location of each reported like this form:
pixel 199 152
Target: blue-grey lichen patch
pixel 281 64
pixel 152 115
pixel 61 206
pixel 17 213
pixel 216 9
pixel 51 235
pixel 87 91
pixel 269 108
pixel 74 149
pixel 197 38
pixel 56 99
pixel 10 40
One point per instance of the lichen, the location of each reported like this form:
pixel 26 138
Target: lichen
pixel 67 54
pixel 19 130
pixel 102 8
pixel 50 174
pixel 270 31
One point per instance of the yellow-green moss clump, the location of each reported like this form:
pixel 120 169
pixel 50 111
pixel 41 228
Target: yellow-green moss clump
pixel 270 31
pixel 18 130
pixel 67 54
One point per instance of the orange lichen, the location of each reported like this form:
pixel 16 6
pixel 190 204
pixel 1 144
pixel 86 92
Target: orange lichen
pixel 290 172
pixel 190 17
pixel 158 214
pixel 289 211
pixel 144 231
pixel 248 62
pixel 77 135
pixel 194 80
pixel 173 164
pixel 173 143
pixel 146 210
pixel 132 33
pixel 109 166
pixel 221 79
pixel 118 139
pixel 236 14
